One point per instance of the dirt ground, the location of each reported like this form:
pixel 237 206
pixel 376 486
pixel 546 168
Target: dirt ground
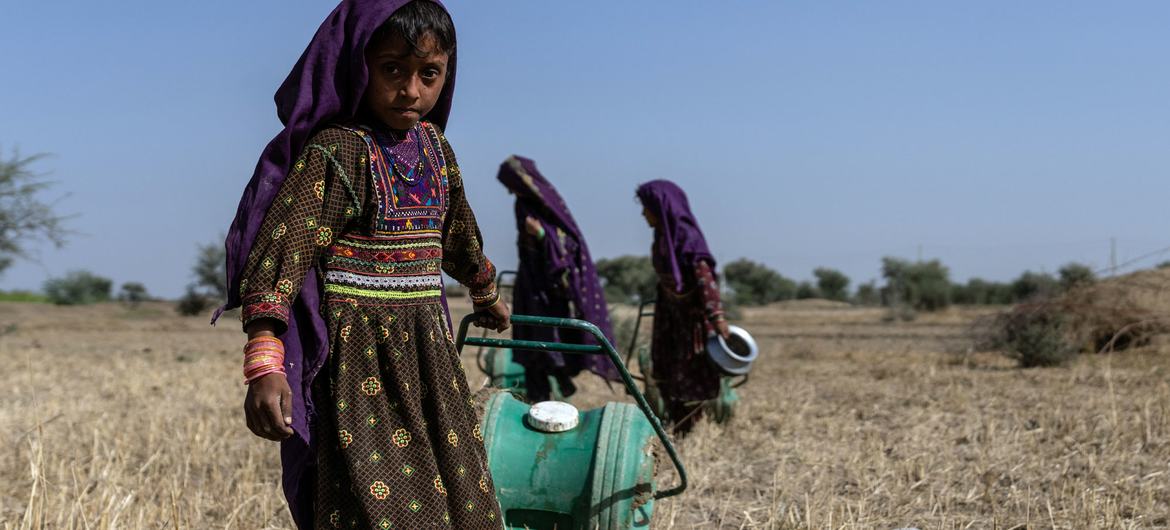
pixel 120 418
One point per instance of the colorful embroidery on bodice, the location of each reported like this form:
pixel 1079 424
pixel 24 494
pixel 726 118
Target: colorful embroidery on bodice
pixel 408 206
pixel 400 261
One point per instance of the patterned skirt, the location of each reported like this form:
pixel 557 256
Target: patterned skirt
pixel 400 444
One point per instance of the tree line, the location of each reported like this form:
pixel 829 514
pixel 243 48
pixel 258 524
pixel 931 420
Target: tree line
pixel 917 285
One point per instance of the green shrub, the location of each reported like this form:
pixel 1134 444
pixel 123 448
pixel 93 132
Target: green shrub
pixel 1032 286
pixel 756 284
pixel 628 279
pixel 78 288
pixel 210 285
pixel 133 293
pixel 832 284
pixel 922 285
pixel 1075 275
pixel 978 291
pixel 1035 335
pixel 193 303
pixel 867 294
pixel 806 291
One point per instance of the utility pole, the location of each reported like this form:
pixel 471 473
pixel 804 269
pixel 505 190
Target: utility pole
pixel 1113 256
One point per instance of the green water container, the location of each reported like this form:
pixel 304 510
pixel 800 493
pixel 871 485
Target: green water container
pixel 503 372
pixel 598 474
pixel 557 468
pixel 506 374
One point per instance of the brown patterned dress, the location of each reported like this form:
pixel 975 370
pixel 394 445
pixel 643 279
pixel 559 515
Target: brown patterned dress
pixel 682 323
pixel 401 445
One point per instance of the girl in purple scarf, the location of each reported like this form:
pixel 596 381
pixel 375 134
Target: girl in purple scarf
pixel 335 258
pixel 688 310
pixel 555 278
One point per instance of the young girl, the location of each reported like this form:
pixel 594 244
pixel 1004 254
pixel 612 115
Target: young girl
pixel 337 249
pixel 555 278
pixel 688 310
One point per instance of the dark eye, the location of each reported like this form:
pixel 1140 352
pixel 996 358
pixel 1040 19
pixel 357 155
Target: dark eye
pixel 431 73
pixel 390 68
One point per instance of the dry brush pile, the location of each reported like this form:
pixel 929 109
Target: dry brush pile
pixel 1131 311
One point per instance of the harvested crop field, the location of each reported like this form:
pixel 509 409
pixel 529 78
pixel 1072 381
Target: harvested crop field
pixel 120 418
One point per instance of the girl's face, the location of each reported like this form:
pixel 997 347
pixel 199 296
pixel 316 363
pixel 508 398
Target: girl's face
pixel 404 82
pixel 650 218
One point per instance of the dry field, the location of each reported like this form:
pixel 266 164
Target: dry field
pixel 118 418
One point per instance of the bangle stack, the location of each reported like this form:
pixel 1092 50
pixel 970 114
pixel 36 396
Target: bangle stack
pixel 486 299
pixel 263 356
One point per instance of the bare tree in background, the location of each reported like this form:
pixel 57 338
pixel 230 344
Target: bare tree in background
pixel 24 218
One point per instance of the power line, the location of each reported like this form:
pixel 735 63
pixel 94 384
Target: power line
pixel 1115 267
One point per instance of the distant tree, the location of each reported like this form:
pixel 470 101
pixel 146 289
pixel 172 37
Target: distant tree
pixel 1031 285
pixel 210 270
pixel 806 290
pixel 922 285
pixel 78 288
pixel 755 284
pixel 24 217
pixel 832 284
pixel 1076 275
pixel 1163 265
pixel 978 291
pixel 867 294
pixel 628 279
pixel 133 293
pixel 209 287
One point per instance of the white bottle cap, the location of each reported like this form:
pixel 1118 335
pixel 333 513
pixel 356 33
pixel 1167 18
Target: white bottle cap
pixel 553 416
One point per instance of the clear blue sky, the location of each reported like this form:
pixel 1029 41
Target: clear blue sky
pixel 997 135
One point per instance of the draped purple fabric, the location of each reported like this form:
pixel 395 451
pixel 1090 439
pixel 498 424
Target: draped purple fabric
pixel 556 278
pixel 325 86
pixel 678 240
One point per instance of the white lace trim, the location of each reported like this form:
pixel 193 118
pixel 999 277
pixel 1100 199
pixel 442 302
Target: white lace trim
pixel 384 282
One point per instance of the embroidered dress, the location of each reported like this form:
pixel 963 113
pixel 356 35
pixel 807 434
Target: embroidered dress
pixel 688 304
pixel 682 323
pixel 398 442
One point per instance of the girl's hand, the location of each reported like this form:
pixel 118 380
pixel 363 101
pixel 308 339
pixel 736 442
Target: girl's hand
pixel 532 226
pixel 722 329
pixel 494 317
pixel 268 407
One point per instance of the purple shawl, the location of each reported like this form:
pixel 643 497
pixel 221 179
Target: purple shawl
pixel 567 275
pixel 678 240
pixel 326 86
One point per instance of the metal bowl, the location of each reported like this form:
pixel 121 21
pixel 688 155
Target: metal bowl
pixel 734 355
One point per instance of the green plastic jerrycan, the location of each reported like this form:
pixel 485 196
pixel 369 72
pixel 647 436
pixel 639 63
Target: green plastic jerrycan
pixel 506 374
pixel 597 474
pixel 573 470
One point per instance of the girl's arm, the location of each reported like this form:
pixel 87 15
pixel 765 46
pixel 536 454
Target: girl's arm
pixel 323 192
pixel 554 249
pixel 708 286
pixel 463 257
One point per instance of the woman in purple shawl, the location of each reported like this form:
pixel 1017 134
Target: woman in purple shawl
pixel 688 310
pixel 336 249
pixel 555 278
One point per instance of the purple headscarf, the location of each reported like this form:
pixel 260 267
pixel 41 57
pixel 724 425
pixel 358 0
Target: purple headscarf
pixel 565 252
pixel 678 240
pixel 326 86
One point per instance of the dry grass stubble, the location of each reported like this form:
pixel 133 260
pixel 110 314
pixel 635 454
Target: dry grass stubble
pixel 131 419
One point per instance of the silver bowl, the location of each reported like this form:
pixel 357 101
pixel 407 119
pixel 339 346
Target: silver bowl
pixel 734 355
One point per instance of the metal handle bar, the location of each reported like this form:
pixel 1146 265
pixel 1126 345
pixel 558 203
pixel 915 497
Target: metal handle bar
pixel 638 326
pixel 602 347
